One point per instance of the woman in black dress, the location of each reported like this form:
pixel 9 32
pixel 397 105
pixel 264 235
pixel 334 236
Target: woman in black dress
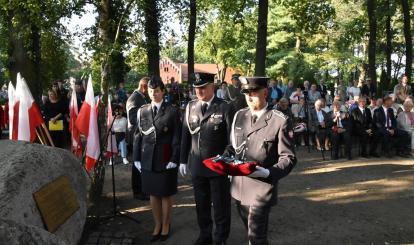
pixel 55 110
pixel 159 150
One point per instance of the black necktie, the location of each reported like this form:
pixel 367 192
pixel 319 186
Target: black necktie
pixel 155 110
pixel 254 119
pixel 204 108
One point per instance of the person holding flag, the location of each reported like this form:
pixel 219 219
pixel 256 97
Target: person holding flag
pixel 87 124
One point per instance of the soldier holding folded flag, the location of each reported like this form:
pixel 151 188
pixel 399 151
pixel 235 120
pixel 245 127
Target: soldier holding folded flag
pixel 259 134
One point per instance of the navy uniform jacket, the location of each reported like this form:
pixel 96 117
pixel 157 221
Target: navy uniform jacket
pixel 237 100
pixel 204 136
pixel 159 137
pixel 266 142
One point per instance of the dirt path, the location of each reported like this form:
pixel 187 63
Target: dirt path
pixel 364 201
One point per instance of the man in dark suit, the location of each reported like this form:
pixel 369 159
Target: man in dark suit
pixel 386 127
pixel 361 120
pixel 340 130
pixel 237 100
pixel 323 90
pixel 205 134
pixel 262 135
pixel 137 99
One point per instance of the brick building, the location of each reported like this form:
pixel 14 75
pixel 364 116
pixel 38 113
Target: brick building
pixel 179 71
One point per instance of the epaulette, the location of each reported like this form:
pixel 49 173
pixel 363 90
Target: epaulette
pixel 280 114
pixel 145 105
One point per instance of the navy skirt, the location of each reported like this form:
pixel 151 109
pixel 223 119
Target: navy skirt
pixel 159 184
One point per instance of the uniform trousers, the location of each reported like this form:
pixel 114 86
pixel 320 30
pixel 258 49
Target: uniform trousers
pixel 256 222
pixel 216 190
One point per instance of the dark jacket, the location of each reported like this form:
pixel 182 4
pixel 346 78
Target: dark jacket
pixel 323 90
pixel 269 143
pixel 237 100
pixel 313 120
pixel 361 122
pixel 379 119
pixel 159 137
pixel 204 136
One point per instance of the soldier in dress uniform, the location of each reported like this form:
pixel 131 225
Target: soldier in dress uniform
pixel 158 155
pixel 137 99
pixel 262 135
pixel 205 134
pixel 237 100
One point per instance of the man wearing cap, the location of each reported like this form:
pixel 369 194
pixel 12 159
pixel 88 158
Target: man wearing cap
pixel 205 134
pixel 259 134
pixel 237 100
pixel 137 99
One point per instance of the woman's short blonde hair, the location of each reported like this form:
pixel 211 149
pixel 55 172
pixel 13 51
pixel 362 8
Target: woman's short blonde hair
pixel 408 103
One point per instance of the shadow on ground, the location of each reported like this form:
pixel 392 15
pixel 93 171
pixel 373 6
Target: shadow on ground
pixel 364 201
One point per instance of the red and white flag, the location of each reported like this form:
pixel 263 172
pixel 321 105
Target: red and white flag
pixel 87 124
pixel 75 135
pixel 11 93
pixel 111 147
pixel 26 115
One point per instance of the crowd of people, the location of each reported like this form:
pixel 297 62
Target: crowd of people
pixel 171 130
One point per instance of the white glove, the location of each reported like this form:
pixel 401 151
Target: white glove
pixel 183 169
pixel 138 165
pixel 260 173
pixel 171 165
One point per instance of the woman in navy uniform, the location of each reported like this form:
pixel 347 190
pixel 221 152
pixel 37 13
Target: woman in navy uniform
pixel 159 152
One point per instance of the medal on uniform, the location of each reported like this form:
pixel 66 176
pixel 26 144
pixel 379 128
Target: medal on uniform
pixel 165 129
pixel 216 127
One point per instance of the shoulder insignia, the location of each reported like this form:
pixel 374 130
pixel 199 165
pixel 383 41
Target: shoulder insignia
pixel 145 105
pixel 279 113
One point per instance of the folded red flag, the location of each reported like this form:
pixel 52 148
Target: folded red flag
pixel 233 169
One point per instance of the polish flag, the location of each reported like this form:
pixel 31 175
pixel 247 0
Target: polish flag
pixel 87 124
pixel 75 135
pixel 26 115
pixel 11 93
pixel 110 151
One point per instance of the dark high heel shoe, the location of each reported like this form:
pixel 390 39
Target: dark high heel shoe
pixel 166 236
pixel 156 237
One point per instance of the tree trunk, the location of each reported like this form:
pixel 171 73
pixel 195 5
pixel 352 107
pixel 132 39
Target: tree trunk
pixel 388 49
pixel 36 87
pixel 152 31
pixel 19 59
pixel 408 39
pixel 104 36
pixel 191 36
pixel 261 43
pixel 371 6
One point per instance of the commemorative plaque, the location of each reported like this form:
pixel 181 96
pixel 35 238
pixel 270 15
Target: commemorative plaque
pixel 57 202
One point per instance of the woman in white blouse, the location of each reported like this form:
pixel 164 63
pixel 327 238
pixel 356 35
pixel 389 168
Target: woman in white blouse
pixel 354 90
pixel 405 121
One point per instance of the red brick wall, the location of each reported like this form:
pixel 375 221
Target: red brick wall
pixel 168 70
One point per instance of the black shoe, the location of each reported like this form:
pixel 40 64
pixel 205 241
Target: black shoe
pixel 166 236
pixel 156 237
pixel 220 243
pixel 203 241
pixel 364 155
pixel 349 158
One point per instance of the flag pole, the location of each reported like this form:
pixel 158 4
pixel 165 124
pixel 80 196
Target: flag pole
pixel 46 131
pixel 40 137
